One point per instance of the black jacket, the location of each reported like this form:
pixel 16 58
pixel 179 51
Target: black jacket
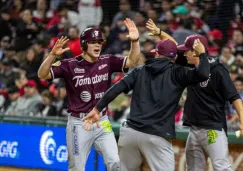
pixel 157 87
pixel 205 102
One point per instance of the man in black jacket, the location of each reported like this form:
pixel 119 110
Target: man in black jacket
pixel 204 109
pixel 157 87
pixel 204 114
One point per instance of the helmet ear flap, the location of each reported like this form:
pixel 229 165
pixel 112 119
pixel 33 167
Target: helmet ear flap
pixel 84 46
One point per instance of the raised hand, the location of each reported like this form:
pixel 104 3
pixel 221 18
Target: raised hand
pixel 91 118
pixel 58 47
pixel 198 48
pixel 132 29
pixel 154 30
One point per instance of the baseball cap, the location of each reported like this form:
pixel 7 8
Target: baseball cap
pixel 181 9
pixel 31 83
pixel 166 47
pixel 216 34
pixel 188 45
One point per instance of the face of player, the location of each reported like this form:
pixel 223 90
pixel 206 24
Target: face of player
pixel 94 48
pixel 191 59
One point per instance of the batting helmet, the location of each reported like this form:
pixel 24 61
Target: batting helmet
pixel 90 34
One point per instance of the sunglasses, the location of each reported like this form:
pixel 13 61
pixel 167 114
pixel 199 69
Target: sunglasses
pixel 96 41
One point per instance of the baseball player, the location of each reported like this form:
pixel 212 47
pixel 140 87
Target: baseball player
pixel 204 114
pixel 204 110
pixel 157 87
pixel 87 77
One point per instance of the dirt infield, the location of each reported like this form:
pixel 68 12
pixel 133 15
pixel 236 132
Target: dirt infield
pixel 17 169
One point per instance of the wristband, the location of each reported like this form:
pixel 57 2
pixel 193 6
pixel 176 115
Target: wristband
pixel 134 41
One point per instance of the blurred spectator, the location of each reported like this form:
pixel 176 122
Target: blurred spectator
pixel 236 42
pixel 233 122
pixel 38 48
pixel 152 14
pixel 214 42
pixel 208 12
pixel 125 12
pixel 13 95
pixel 5 43
pixel 55 3
pixel 145 6
pixel 41 14
pixel 47 108
pixel 5 23
pixel 74 41
pixel 164 25
pixel 7 73
pixel 21 81
pixel 16 8
pixel 233 72
pixel 60 18
pixel 182 14
pixel 27 105
pixel 235 24
pixel 225 13
pixel 183 31
pixel 227 57
pixel 120 44
pixel 31 64
pixel 147 46
pixel 239 63
pixel 26 30
pixel 10 54
pixel 90 13
pixel 165 7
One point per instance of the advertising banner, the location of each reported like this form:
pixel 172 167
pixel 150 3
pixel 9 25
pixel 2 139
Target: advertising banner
pixel 32 146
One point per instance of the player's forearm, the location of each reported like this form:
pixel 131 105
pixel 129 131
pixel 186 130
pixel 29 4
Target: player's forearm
pixel 239 109
pixel 46 66
pixel 110 95
pixel 203 68
pixel 134 55
pixel 164 35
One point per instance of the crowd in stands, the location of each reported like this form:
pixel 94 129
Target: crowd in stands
pixel 30 28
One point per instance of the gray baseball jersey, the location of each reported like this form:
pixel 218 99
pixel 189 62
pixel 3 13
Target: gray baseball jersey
pixel 86 83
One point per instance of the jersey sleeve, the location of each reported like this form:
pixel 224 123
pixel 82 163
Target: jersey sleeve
pixel 186 76
pixel 58 69
pixel 117 64
pixel 226 86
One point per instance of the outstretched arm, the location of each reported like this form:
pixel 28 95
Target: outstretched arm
pixel 154 30
pixel 133 35
pixel 44 70
pixel 125 85
pixel 109 96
